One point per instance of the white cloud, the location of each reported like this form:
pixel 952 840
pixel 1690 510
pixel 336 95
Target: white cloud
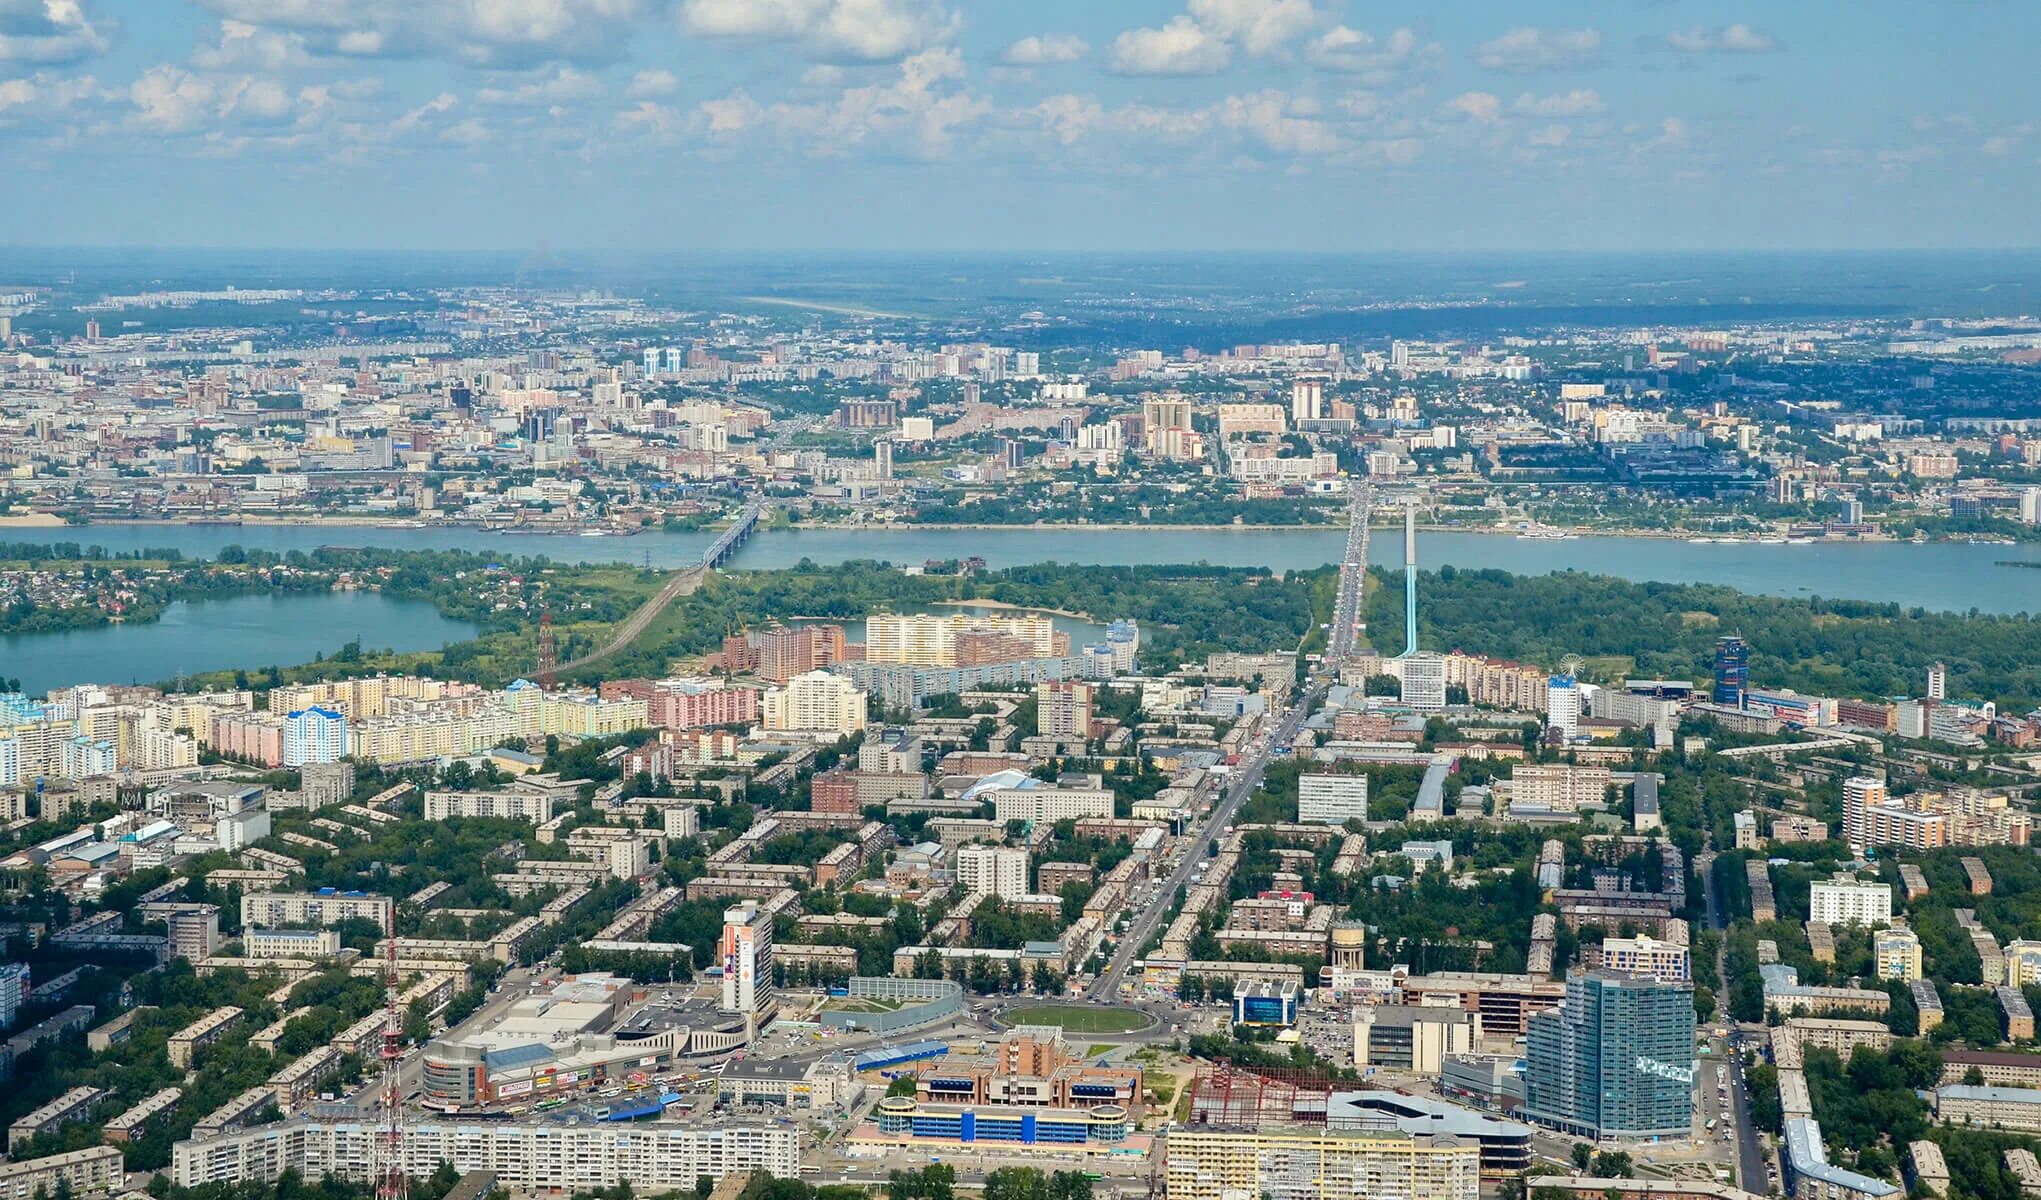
pixel 491 33
pixel 1997 147
pixel 1182 47
pixel 1551 136
pixel 648 117
pixel 1279 122
pixel 917 113
pixel 1476 106
pixel 1357 52
pixel 856 30
pixel 565 86
pixel 1730 39
pixel 653 83
pixel 1045 49
pixel 1560 104
pixel 170 98
pixel 246 47
pixel 734 113
pixel 823 75
pixel 470 131
pixel 49 31
pixel 30 102
pixel 1257 26
pixel 1363 106
pixel 1528 49
pixel 1068 118
pixel 415 118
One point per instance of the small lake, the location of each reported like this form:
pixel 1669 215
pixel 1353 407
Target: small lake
pixel 246 632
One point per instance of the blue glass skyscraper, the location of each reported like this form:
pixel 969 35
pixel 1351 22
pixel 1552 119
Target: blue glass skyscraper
pixel 1615 1060
pixel 1732 671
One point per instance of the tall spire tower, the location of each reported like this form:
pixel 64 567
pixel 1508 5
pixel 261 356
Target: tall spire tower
pixel 1409 579
pixel 391 1181
pixel 549 654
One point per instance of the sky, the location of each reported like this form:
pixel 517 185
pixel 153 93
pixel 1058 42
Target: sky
pixel 1019 125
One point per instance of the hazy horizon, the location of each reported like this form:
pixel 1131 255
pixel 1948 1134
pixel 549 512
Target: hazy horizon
pixel 966 126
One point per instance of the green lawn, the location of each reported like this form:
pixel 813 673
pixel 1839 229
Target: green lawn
pixel 1079 1020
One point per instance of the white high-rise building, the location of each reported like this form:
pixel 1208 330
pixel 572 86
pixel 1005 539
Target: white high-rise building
pixel 651 361
pixel 1863 902
pixel 1938 681
pixel 747 959
pixel 817 702
pixel 1424 680
pixel 993 871
pixel 314 735
pixel 1307 400
pixel 1328 799
pixel 1860 794
pixel 1562 706
pixel 2030 506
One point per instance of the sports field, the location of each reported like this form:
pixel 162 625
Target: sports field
pixel 1076 1019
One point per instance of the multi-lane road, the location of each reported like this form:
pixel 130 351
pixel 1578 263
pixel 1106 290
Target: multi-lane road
pixel 1752 1169
pixel 1247 774
pixel 1353 575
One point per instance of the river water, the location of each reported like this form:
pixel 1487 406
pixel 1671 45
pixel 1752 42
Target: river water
pixel 248 632
pixel 257 631
pixel 1951 576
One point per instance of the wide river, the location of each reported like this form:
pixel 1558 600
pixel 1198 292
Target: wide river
pixel 1953 576
pixel 255 632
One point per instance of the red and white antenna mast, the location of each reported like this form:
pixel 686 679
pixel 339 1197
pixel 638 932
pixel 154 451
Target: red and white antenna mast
pixel 391 1181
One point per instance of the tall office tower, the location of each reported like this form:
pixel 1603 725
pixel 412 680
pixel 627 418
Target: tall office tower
pixel 1307 400
pixel 1063 709
pixel 2030 505
pixel 651 361
pixel 882 456
pixel 1562 706
pixel 972 392
pixel 674 359
pixel 1938 681
pixel 92 331
pixel 1732 671
pixel 1399 354
pixel 1853 511
pixel 1013 453
pixel 1860 794
pixel 747 959
pixel 1615 1060
pixel 14 991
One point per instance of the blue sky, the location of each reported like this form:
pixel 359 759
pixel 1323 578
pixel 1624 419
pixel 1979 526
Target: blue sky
pixel 1019 124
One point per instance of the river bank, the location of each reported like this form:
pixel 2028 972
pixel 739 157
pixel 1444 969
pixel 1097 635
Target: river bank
pixel 1945 575
pixel 1563 532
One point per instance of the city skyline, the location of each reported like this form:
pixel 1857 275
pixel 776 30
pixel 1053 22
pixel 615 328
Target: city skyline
pixel 1158 125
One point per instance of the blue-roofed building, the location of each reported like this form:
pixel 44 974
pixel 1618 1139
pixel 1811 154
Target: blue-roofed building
pixel 900 1119
pixel 893 1056
pixel 314 735
pixel 1812 1177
